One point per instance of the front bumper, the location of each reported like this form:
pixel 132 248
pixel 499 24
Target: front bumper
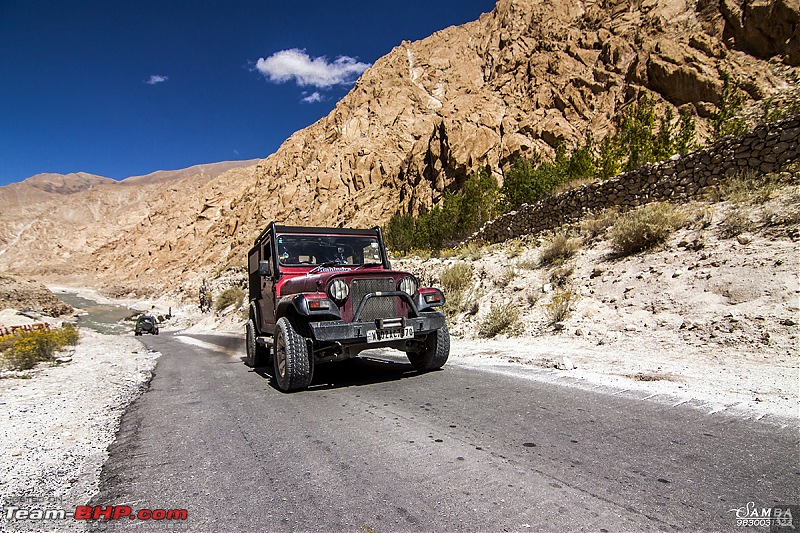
pixel 356 332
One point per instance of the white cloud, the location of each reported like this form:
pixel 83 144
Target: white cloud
pixel 296 64
pixel 155 78
pixel 312 98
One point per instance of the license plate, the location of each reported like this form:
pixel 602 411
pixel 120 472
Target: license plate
pixel 378 335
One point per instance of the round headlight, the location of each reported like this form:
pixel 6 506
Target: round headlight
pixel 408 286
pixel 339 290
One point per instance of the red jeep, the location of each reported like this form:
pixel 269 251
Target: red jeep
pixel 326 294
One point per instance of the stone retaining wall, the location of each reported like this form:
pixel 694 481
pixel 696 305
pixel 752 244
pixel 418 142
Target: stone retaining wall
pixel 767 148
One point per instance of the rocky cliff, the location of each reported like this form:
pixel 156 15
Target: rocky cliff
pixel 519 80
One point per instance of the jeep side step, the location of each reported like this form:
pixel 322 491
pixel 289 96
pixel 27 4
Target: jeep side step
pixel 264 341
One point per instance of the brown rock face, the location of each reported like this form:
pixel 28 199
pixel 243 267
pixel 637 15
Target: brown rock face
pixel 22 294
pixel 764 28
pixel 528 75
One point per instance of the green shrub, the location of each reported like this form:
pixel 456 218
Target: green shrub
pixel 500 319
pixel 228 297
pixel 645 227
pixel 67 335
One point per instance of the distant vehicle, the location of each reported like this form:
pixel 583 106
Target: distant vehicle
pixel 146 324
pixel 325 294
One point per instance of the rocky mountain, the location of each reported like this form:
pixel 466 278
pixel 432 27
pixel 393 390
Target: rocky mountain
pixel 528 75
pixel 52 223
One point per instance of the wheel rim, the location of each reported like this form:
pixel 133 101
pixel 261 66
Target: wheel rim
pixel 280 356
pixel 249 342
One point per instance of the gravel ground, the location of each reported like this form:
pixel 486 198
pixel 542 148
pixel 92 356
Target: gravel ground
pixel 58 424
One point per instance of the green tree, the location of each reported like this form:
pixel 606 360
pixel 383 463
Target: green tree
pixel 529 180
pixel 457 215
pixel 642 138
pixel 726 120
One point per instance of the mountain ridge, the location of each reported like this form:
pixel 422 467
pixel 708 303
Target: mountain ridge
pixel 517 81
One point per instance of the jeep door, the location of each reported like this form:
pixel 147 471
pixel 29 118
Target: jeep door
pixel 266 303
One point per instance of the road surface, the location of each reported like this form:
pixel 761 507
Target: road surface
pixel 373 446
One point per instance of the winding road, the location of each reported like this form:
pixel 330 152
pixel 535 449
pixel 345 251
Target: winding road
pixel 374 446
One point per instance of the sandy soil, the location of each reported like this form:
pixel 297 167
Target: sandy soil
pixel 58 423
pixel 705 318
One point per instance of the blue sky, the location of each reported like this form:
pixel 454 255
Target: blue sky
pixel 120 88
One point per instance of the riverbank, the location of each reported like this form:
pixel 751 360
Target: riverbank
pixel 57 424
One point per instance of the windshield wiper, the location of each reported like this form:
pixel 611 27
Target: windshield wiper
pixel 369 265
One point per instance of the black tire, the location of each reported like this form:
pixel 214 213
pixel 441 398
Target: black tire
pixel 292 362
pixel 435 353
pixel 257 355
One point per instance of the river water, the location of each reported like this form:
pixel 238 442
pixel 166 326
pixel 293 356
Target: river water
pixel 108 319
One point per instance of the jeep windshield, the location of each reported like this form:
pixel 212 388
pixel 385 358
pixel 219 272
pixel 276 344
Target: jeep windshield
pixel 328 250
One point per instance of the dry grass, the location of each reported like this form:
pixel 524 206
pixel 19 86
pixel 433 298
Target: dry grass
pixel 594 226
pixel 502 318
pixel 455 280
pixel 456 277
pixel 646 227
pixel 702 216
pixel 787 210
pixel 230 296
pixel 559 249
pixel 560 276
pixel 572 184
pixel 561 306
pixel 736 222
pixel 461 301
pixel 749 187
pixel 506 276
pixel 471 251
pixel 526 264
pixel 515 248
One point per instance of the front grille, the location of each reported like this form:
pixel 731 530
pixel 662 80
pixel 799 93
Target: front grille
pixel 377 306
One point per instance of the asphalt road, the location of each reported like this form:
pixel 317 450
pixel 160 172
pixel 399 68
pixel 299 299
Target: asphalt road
pixel 373 446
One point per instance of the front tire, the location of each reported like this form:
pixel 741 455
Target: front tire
pixel 435 352
pixel 292 361
pixel 257 355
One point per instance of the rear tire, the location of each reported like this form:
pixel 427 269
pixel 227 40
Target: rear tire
pixel 257 355
pixel 292 360
pixel 435 352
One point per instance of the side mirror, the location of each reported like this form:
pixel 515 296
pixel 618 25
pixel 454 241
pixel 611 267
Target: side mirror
pixel 264 269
